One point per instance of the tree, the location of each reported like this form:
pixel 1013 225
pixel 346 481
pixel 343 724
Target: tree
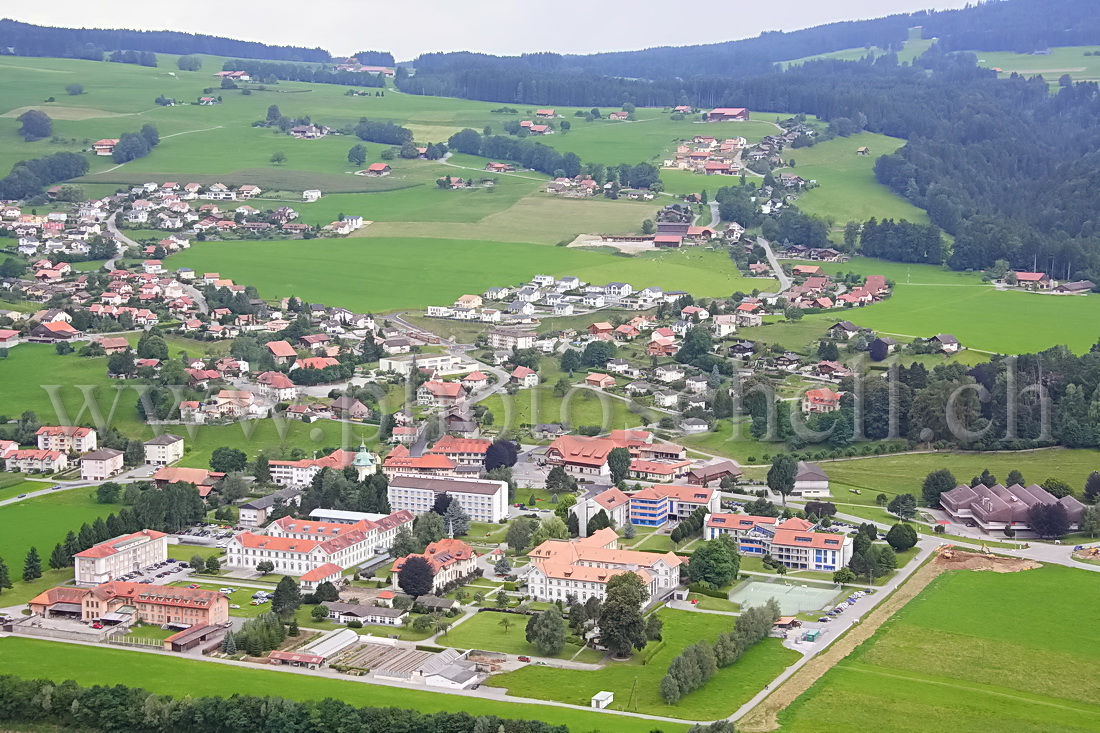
pixel 229 644
pixel 35 125
pixel 357 155
pixel 618 462
pixel 935 484
pixel 844 576
pixel 152 137
pixel 32 566
pixel 502 566
pixel 319 613
pixel 213 565
pixel 1048 520
pixel 502 453
pixel 1090 521
pixel 559 481
pixel 716 562
pixel 629 531
pixel 1057 488
pixel 58 558
pixel 547 631
pixel 189 63
pixel 518 536
pixel 108 493
pixel 887 559
pixel 428 528
pixel 278 157
pixel 648 227
pixel 901 536
pixel 1092 486
pixel 456 520
pixel 293 630
pixel 404 542
pixel 622 626
pixel 75 90
pixel 903 505
pixel 287 598
pixel 264 567
pixel 228 460
pixel 198 563
pixel 327 592
pixel 506 623
pixel 415 576
pixel 1014 478
pixel 261 470
pixel 782 473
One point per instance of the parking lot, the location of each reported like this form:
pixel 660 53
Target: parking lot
pixel 208 535
pixel 164 573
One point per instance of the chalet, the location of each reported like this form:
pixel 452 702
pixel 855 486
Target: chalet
pixel 947 343
pixel 843 330
pixel 545 113
pixel 105 146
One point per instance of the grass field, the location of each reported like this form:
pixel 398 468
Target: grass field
pixel 722 695
pixel 176 676
pixel 973 652
pixel 848 190
pixel 377 274
pixel 1061 60
pixel 484 631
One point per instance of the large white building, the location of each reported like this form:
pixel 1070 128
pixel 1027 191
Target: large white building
pixel 112 559
pixel 66 439
pixel 299 474
pixel 451 561
pixel 404 364
pixel 582 568
pixel 483 501
pixel 100 465
pixel 792 542
pixel 299 546
pixel 163 449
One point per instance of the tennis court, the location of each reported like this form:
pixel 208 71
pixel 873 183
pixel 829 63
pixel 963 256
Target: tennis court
pixel 794 596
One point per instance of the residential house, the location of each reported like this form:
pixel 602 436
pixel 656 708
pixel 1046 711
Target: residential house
pixel 163 449
pixel 100 465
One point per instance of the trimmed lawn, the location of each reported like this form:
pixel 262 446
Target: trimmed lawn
pixel 723 694
pixel 186 552
pixel 177 676
pixel 145 631
pixel 951 659
pixel 484 631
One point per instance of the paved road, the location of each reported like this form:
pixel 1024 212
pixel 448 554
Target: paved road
pixel 112 227
pixel 141 473
pixel 784 280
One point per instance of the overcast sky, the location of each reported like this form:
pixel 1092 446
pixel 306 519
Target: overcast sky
pixel 493 26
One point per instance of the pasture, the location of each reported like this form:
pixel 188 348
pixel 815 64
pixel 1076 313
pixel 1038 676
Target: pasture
pixel 1061 60
pixel 377 274
pixel 723 694
pixel 975 651
pixel 177 676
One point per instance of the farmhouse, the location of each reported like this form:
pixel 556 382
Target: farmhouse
pixel 378 169
pixel 105 146
pixel 727 114
pixel 1034 280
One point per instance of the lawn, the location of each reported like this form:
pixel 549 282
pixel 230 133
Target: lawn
pixel 42 522
pixel 14 486
pixel 145 631
pixel 373 274
pixel 177 676
pixel 484 632
pixel 540 405
pixel 723 694
pixel 973 652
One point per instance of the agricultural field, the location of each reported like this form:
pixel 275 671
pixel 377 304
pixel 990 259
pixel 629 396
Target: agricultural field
pixel 725 692
pixel 1061 60
pixel 911 49
pixel 177 676
pixel 373 274
pixel 975 651
pixel 848 190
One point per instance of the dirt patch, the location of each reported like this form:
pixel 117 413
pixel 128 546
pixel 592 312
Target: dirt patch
pixel 593 240
pixel 765 716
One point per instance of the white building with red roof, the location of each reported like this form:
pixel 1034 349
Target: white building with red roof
pixel 463 451
pixel 276 386
pixel 115 558
pixel 437 393
pixel 451 561
pixel 821 399
pixel 792 542
pixel 66 439
pixel 525 377
pixel 296 474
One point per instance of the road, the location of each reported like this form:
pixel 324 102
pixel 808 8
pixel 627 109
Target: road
pixel 784 280
pixel 141 473
pixel 112 227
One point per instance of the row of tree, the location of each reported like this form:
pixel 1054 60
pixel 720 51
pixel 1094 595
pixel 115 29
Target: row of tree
pixel 30 178
pixel 269 72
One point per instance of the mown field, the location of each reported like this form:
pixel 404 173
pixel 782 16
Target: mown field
pixel 1061 60
pixel 723 694
pixel 177 676
pixel 974 652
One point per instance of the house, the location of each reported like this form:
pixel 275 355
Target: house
pixel 600 381
pixel 601 330
pixel 200 477
pixel 1034 280
pixel 810 481
pixel 713 473
pixel 948 344
pixel 100 465
pixel 450 561
pixel 611 501
pixel 545 113
pixel 365 614
pixel 255 512
pixel 884 345
pixel 349 408
pixel 277 386
pixel 525 377
pixel 378 169
pixel 727 114
pixel 105 146
pixel 669 373
pixel 437 393
pixel 1079 287
pixel 724 325
pixel 843 330
pixel 666 398
pixel 111 559
pixel 694 426
pixel 821 399
pixel 47 333
pixel 511 340
pixel 163 449
pixel 282 351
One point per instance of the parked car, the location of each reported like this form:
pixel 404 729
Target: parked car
pixel 524 659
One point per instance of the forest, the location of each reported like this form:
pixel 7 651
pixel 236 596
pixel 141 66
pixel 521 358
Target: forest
pixel 25 39
pixel 268 73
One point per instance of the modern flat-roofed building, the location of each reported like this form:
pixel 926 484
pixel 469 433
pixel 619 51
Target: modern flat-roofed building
pixel 114 558
pixel 482 500
pixel 656 505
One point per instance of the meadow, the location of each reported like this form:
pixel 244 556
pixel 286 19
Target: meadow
pixel 177 676
pixel 377 274
pixel 484 632
pixel 1061 60
pixel 974 652
pixel 723 694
